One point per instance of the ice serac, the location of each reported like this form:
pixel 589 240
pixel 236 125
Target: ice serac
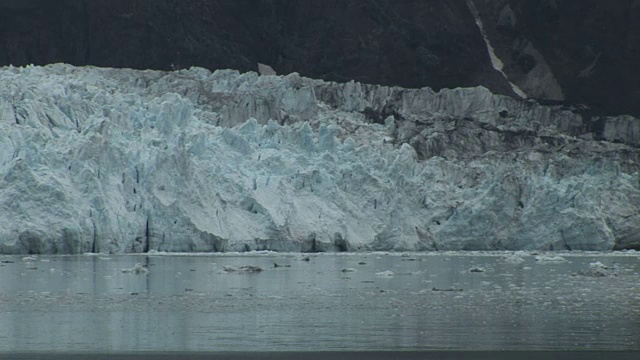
pixel 116 160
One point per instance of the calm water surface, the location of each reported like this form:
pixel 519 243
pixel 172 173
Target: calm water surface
pixel 335 302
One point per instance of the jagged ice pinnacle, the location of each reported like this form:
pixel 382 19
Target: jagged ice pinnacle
pixel 118 160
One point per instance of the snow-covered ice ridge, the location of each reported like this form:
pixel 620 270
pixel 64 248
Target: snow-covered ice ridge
pixel 118 160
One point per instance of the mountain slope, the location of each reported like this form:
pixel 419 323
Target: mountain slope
pixel 579 51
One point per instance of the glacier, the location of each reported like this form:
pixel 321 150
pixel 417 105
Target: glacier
pixel 120 160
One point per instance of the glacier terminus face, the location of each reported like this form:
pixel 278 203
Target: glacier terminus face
pixel 119 160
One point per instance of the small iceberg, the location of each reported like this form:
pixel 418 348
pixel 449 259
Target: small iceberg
pixel 244 268
pixel 513 259
pixel 596 269
pixel 136 269
pixel 386 273
pixel 447 289
pixel 550 258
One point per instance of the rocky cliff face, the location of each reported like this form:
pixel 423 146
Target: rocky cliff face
pixel 132 161
pixel 411 43
pixel 580 51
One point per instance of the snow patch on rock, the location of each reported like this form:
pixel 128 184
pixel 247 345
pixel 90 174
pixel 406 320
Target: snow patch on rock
pixel 496 62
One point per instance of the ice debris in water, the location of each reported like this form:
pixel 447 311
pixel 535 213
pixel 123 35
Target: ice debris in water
pixel 596 269
pixel 136 269
pixel 550 258
pixel 446 289
pixel 386 273
pixel 243 268
pixel 513 259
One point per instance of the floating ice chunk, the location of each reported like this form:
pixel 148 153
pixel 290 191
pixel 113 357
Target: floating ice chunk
pixel 596 269
pixel 29 258
pixel 446 289
pixel 550 258
pixel 386 273
pixel 243 268
pixel 513 259
pixel 136 269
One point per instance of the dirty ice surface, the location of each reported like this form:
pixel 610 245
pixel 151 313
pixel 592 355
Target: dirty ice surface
pixel 300 302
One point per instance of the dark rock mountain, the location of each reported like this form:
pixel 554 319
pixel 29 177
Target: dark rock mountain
pixel 590 47
pixel 568 50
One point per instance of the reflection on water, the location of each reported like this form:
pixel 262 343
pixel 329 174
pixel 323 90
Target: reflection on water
pixel 332 302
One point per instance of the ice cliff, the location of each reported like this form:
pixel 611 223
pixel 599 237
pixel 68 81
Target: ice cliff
pixel 117 160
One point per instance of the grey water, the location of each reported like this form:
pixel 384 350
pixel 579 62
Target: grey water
pixel 332 302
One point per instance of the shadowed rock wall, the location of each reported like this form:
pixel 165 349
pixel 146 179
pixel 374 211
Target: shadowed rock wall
pixel 407 43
